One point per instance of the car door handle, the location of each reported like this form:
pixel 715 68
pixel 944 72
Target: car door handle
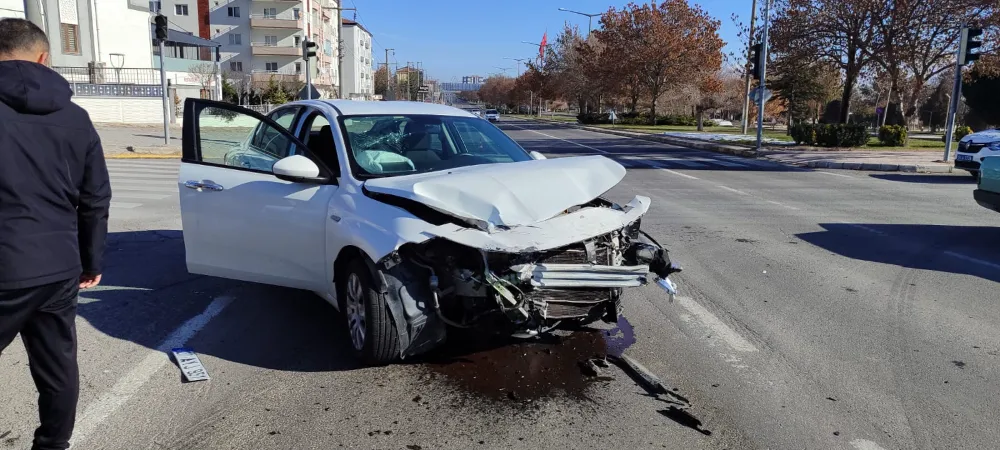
pixel 335 217
pixel 191 184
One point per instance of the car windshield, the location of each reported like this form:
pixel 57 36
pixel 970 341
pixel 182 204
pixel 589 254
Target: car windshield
pixel 384 146
pixel 491 111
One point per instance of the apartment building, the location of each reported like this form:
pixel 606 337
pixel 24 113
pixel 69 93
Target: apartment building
pixel 358 75
pixel 261 40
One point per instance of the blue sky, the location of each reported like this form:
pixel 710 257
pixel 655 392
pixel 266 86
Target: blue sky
pixel 453 38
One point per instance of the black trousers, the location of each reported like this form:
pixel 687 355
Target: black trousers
pixel 45 317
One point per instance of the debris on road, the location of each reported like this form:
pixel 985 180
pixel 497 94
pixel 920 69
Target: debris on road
pixel 190 364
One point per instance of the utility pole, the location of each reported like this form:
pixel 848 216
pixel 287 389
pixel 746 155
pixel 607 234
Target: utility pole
pixel 746 90
pixel 763 77
pixel 340 59
pixel 388 85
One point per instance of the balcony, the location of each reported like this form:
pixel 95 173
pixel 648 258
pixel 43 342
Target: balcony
pixel 283 75
pixel 283 21
pixel 266 49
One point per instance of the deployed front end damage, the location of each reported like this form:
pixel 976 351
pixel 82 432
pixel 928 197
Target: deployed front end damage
pixel 522 280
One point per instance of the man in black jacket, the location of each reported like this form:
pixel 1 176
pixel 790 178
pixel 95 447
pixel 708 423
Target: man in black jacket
pixel 54 201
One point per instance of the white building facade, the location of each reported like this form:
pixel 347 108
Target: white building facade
pixel 359 83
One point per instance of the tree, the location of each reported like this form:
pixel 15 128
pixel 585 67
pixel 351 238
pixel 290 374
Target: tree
pixel 469 96
pixel 981 89
pixel 204 73
pixel 381 82
pixel 669 44
pixel 843 32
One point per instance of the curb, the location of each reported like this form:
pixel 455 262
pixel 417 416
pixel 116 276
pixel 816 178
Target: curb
pixel 749 153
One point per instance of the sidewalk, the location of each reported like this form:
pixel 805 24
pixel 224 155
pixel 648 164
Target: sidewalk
pixel 873 160
pixel 138 141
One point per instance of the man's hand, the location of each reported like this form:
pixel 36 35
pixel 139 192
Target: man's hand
pixel 89 281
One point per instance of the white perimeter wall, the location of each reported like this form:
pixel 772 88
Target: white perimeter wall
pixel 12 8
pixel 126 31
pixel 122 109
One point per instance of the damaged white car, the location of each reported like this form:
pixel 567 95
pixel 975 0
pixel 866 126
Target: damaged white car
pixel 410 218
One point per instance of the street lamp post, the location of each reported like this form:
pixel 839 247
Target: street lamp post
pixel 504 69
pixel 590 18
pixel 518 61
pixel 117 61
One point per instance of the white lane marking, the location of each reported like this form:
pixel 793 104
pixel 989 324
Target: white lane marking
pixel 140 196
pixel 863 444
pixel 124 205
pixel 834 174
pixel 782 204
pixel 564 140
pixel 868 229
pixel 716 327
pixel 972 260
pixel 681 174
pixel 733 190
pixel 127 386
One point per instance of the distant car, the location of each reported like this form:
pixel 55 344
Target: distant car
pixel 492 115
pixel 476 112
pixel 723 123
pixel 987 193
pixel 976 146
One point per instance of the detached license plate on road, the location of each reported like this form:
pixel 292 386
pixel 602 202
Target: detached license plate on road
pixel 963 158
pixel 190 365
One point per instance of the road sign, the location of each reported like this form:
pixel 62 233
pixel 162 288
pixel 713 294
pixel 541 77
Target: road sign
pixel 754 95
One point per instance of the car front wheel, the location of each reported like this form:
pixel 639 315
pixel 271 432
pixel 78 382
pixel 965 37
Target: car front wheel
pixel 369 323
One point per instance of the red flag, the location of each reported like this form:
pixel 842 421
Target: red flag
pixel 541 48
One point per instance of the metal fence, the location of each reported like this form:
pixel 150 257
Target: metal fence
pixel 116 90
pixel 104 75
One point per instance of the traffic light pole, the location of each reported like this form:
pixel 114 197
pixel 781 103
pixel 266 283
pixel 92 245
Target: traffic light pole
pixel 309 91
pixel 953 105
pixel 166 100
pixel 746 91
pixel 763 76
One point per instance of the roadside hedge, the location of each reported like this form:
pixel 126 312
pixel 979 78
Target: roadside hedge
pixel 960 132
pixel 830 135
pixel 892 135
pixel 640 119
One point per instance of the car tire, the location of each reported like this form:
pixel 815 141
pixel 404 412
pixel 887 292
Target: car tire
pixel 370 328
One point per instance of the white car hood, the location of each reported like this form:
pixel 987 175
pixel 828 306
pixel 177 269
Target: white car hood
pixel 982 137
pixel 508 194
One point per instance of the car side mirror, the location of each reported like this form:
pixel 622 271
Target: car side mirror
pixel 537 155
pixel 298 169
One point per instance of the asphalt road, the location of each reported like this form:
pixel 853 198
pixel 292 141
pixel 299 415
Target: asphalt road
pixel 818 309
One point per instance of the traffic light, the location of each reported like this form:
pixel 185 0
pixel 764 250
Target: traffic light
pixel 161 26
pixel 970 41
pixel 308 49
pixel 755 56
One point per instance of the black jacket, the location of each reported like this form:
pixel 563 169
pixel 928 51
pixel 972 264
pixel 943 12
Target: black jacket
pixel 54 188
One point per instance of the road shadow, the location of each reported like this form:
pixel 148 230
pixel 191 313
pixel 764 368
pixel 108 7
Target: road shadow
pixel 925 179
pixel 964 250
pixel 147 295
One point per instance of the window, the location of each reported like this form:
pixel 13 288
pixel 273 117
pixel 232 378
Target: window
pixel 298 68
pixel 235 39
pixel 318 136
pixel 271 67
pixel 181 10
pixel 233 11
pixel 154 6
pixel 270 13
pixel 69 35
pixel 298 41
pixel 270 41
pixel 223 138
pixel 295 13
pixel 236 66
pixel 382 146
